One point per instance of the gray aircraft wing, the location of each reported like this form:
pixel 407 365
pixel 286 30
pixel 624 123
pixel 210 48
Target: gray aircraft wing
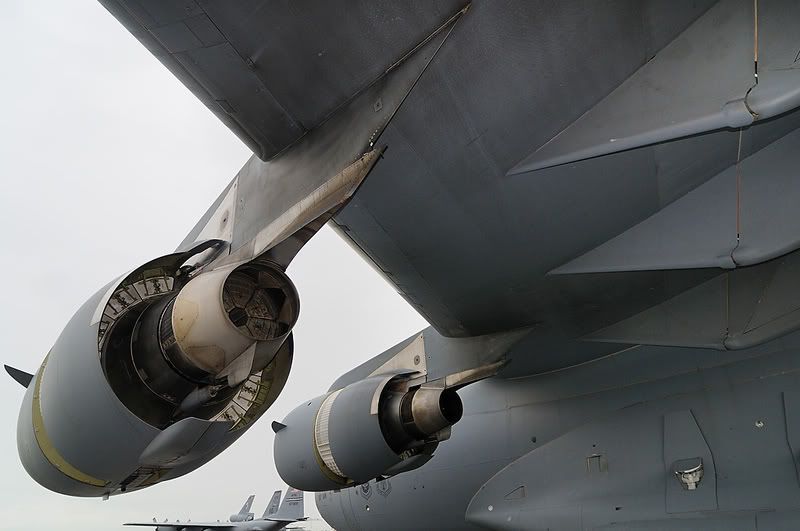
pixel 528 181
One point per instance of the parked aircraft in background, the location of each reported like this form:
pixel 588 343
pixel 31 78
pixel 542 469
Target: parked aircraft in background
pixel 244 513
pixel 274 518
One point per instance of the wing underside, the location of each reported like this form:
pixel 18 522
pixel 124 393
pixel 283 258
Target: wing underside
pixel 568 164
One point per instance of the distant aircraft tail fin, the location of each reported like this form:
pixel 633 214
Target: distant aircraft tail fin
pixel 246 507
pixel 292 508
pixel 244 514
pixel 249 503
pixel 272 506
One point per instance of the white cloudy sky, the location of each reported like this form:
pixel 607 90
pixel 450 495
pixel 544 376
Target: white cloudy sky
pixel 106 162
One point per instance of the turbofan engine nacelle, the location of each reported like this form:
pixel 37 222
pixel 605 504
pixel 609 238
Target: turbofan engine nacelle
pixel 379 426
pixel 219 328
pixel 238 517
pixel 157 373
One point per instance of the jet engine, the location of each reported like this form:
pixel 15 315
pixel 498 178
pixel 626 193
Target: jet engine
pixel 379 426
pixel 162 369
pixel 158 372
pixel 186 353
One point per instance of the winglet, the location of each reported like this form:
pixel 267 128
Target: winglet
pixel 22 377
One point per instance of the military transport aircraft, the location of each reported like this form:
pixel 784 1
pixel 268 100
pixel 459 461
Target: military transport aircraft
pixel 290 511
pixel 593 204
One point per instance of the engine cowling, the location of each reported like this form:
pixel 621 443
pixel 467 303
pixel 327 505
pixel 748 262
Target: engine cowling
pixel 157 373
pixel 189 350
pixel 379 426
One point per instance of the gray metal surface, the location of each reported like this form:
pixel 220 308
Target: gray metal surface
pixel 727 84
pixel 743 216
pixel 185 441
pixel 467 246
pixel 90 423
pixel 734 310
pixel 642 144
pixel 639 412
pixel 188 355
pixel 390 414
pixel 297 461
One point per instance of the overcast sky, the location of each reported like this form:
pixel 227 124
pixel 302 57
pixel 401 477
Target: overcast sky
pixel 107 161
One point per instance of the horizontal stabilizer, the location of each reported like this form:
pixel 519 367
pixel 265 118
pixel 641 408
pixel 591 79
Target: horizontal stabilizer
pixel 702 81
pixel 700 229
pixel 22 377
